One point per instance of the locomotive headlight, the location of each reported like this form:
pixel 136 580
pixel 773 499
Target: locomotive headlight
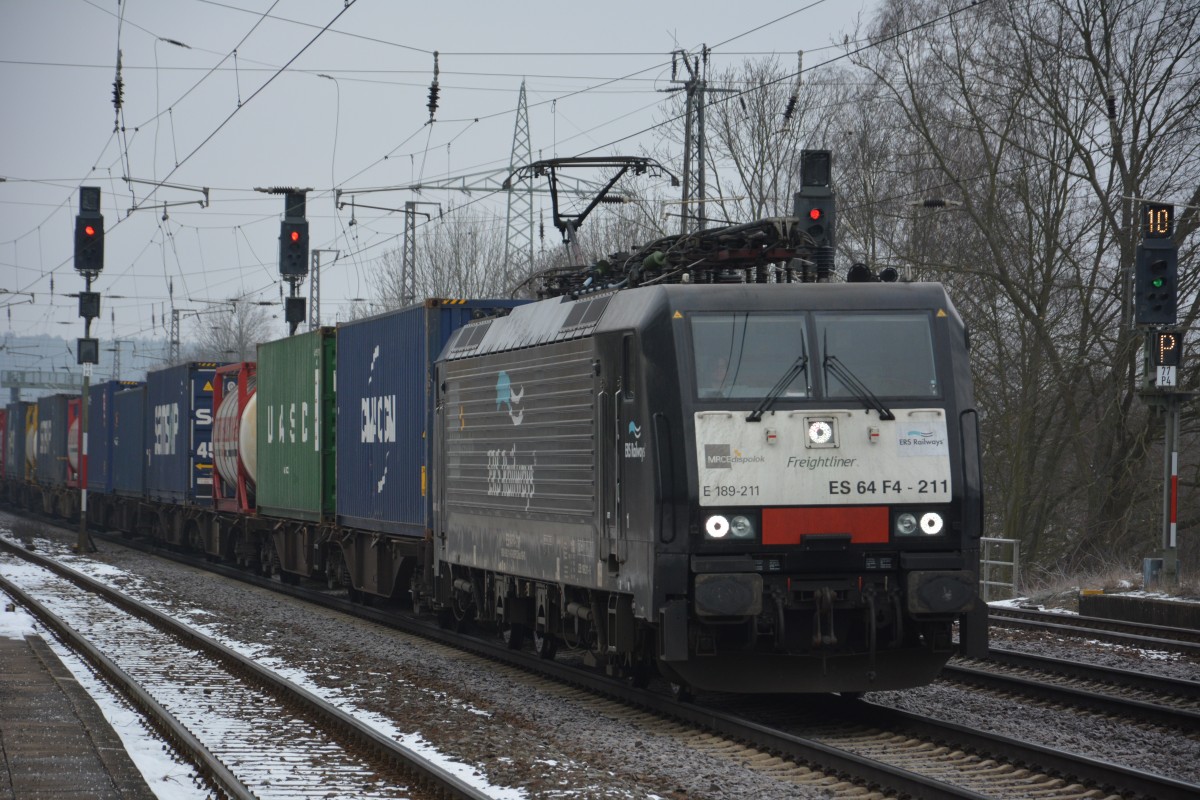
pixel 741 527
pixel 932 523
pixel 716 527
pixel 820 431
pixel 906 524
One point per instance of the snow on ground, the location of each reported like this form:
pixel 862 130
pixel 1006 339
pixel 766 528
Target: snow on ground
pixel 145 748
pixel 167 778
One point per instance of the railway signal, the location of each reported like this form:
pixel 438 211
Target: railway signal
pixel 89 261
pixel 293 248
pixel 814 207
pixel 1156 268
pixel 89 232
pixel 814 203
pixel 1156 274
pixel 293 236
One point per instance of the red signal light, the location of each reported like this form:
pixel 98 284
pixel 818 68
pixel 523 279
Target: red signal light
pixel 295 236
pixel 814 214
pixel 89 230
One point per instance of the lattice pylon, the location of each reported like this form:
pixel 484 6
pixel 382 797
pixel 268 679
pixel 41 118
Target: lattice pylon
pixel 518 249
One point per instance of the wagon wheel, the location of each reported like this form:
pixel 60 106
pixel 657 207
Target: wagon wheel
pixel 545 645
pixel 462 612
pixel 514 635
pixel 638 675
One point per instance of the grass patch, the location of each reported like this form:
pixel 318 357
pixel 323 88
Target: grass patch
pixel 1054 590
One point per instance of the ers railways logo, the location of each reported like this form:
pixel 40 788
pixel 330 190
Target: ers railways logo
pixel 507 396
pixel 927 440
pixel 635 449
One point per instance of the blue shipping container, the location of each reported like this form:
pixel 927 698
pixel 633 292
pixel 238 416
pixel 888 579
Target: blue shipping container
pixel 179 433
pixel 385 407
pixel 14 441
pixel 100 434
pixel 52 440
pixel 129 441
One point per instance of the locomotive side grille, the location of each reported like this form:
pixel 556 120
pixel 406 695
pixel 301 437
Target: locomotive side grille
pixel 519 432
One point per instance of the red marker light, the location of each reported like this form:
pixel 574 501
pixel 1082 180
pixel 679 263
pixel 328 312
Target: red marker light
pixel 89 230
pixel 295 236
pixel 814 213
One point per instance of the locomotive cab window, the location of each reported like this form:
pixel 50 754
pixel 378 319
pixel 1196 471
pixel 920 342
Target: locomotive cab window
pixel 890 354
pixel 743 355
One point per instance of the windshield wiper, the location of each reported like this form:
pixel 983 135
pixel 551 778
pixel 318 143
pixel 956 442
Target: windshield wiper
pixel 860 391
pixel 798 366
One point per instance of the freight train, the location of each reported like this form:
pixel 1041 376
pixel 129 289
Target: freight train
pixel 728 476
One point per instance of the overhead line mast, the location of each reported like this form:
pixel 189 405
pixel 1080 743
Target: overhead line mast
pixel 518 248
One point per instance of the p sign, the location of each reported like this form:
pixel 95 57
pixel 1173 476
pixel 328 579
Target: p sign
pixel 1166 351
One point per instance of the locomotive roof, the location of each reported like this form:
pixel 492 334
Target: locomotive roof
pixel 566 317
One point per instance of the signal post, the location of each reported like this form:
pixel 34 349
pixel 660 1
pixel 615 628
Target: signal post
pixel 89 261
pixel 1156 274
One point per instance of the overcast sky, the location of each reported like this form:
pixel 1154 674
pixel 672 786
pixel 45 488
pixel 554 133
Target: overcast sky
pixel 326 94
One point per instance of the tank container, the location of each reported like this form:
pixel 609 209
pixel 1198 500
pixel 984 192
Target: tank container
pixel 235 444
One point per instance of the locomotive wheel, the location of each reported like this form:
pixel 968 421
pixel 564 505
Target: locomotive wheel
pixel 514 635
pixel 545 645
pixel 457 616
pixel 638 676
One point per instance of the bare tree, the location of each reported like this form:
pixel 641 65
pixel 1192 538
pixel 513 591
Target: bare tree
pixel 461 252
pixel 458 254
pixel 231 332
pixel 1040 120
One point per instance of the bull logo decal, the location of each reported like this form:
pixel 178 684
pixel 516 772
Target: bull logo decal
pixel 505 396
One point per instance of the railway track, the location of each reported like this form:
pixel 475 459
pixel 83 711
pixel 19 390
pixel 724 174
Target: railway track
pixel 868 745
pixel 249 732
pixel 974 763
pixel 1168 702
pixel 1133 634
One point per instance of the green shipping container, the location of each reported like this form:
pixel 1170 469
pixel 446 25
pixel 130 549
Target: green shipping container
pixel 297 418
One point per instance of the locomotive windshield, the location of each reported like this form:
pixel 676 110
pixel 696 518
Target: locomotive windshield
pixel 742 354
pixel 891 354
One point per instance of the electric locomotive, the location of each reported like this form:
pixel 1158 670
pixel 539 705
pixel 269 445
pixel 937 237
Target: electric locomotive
pixel 748 487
